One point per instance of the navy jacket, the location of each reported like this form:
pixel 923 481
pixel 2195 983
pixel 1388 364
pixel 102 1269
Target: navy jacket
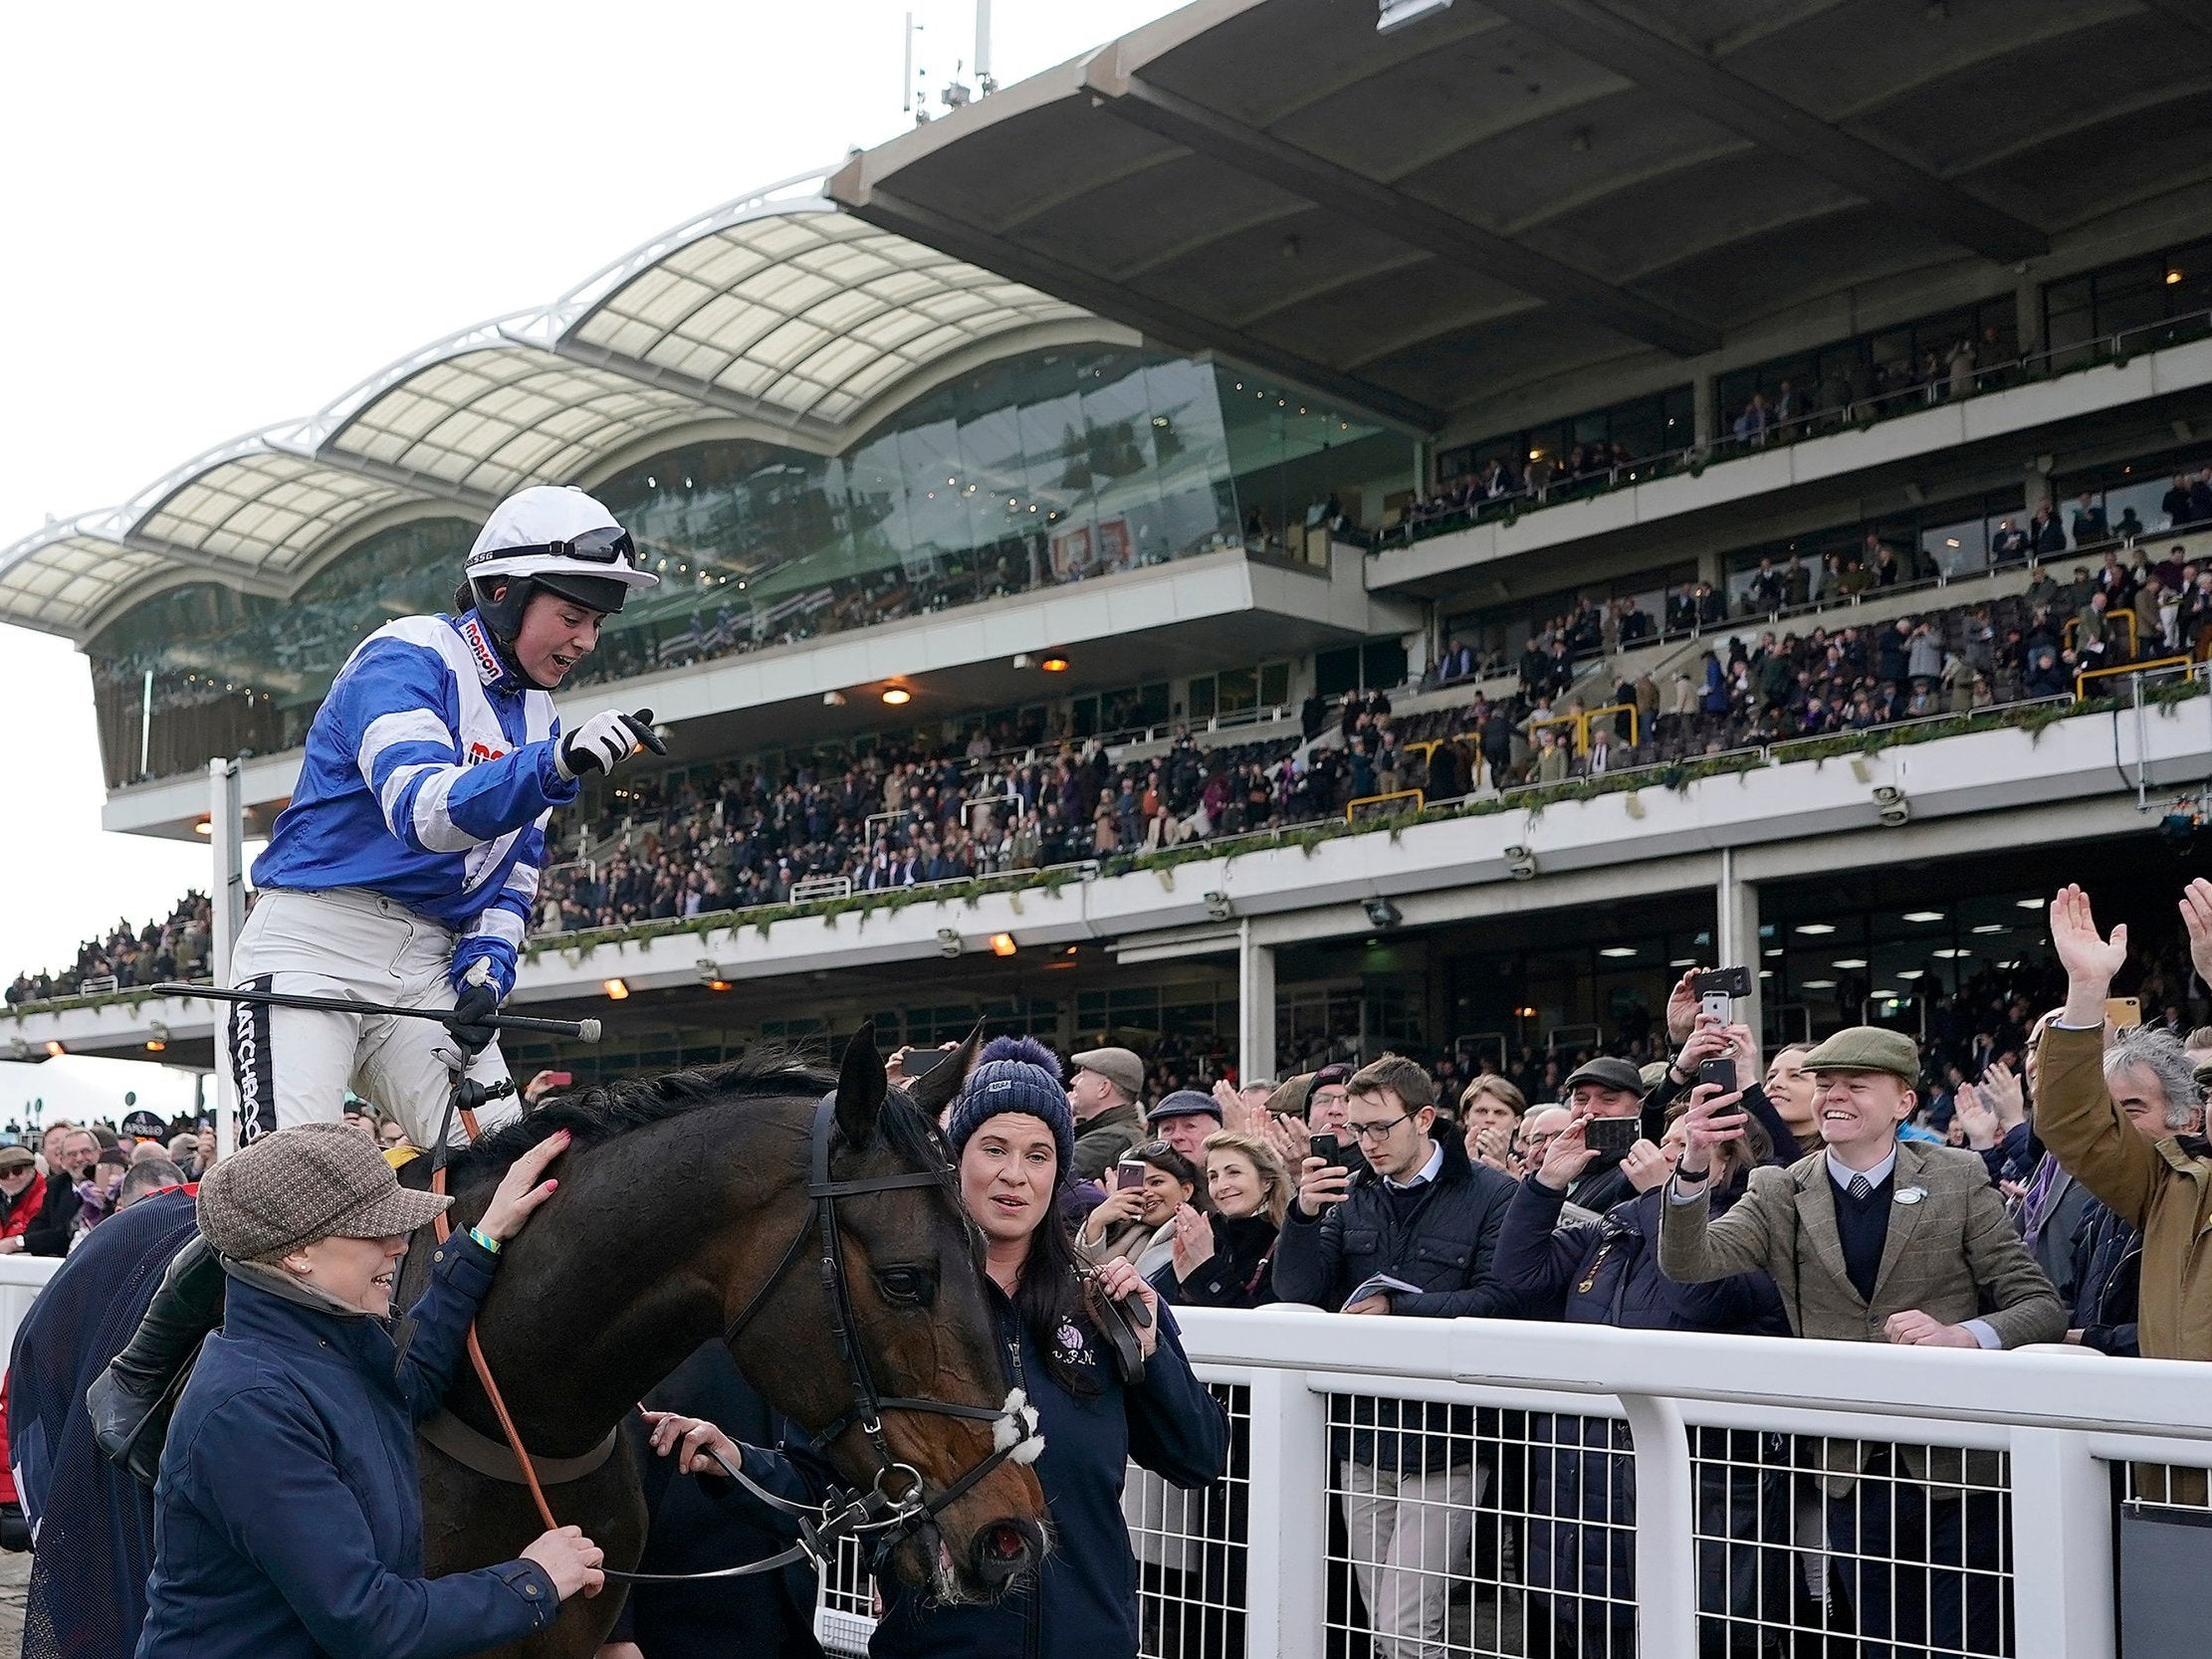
pixel 1607 1272
pixel 1083 1602
pixel 1240 1273
pixel 2107 1281
pixel 1445 1246
pixel 287 1520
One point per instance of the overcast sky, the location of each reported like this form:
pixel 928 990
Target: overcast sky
pixel 222 215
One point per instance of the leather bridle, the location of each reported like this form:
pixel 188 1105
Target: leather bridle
pixel 896 1505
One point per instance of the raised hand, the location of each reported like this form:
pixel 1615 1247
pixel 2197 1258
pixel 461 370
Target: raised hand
pixel 2088 958
pixel 1977 1119
pixel 1711 1122
pixel 1681 1008
pixel 1743 1042
pixel 1569 1155
pixel 2196 916
pixel 1647 1166
pixel 1231 1099
pixel 2000 1090
pixel 1194 1240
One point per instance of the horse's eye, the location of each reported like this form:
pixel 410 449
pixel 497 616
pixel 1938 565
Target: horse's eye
pixel 908 1283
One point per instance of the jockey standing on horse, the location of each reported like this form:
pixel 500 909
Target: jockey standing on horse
pixel 406 867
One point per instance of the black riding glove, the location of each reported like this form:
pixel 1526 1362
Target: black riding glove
pixel 473 1012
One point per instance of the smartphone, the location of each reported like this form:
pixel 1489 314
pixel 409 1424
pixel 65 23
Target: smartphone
pixel 1611 1134
pixel 561 1079
pixel 1718 990
pixel 2122 1012
pixel 920 1061
pixel 1129 1172
pixel 1720 1071
pixel 1324 1147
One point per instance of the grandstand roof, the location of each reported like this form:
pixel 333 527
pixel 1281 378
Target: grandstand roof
pixel 1498 192
pixel 775 310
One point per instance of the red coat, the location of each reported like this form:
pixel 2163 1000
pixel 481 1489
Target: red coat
pixel 24 1209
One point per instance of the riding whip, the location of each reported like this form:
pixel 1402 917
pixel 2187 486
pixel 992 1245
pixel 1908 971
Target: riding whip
pixel 582 1030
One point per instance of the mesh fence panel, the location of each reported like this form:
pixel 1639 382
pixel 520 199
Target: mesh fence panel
pixel 1817 1544
pixel 1190 1550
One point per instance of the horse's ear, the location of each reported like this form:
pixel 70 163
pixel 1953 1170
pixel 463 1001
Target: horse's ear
pixel 935 1088
pixel 861 1087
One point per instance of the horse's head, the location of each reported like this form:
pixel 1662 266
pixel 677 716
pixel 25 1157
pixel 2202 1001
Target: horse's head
pixel 921 1328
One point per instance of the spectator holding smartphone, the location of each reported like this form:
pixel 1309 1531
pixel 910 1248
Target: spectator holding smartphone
pixel 1413 1235
pixel 1136 1220
pixel 1580 1545
pixel 1874 1239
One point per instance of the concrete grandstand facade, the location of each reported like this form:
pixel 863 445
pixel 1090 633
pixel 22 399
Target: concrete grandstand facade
pixel 1272 351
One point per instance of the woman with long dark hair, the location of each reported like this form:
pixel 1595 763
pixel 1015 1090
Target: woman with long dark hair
pixel 1013 1138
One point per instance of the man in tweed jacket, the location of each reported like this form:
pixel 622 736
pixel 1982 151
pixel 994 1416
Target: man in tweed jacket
pixel 1872 1239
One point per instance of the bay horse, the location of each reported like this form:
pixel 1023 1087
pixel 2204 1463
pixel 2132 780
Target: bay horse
pixel 684 1216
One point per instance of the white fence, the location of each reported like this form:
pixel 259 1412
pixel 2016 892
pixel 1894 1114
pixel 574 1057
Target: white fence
pixel 1611 1492
pixel 21 1280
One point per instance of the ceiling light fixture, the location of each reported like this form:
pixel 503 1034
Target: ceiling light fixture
pixel 618 991
pixel 1816 984
pixel 1817 927
pixel 897 695
pixel 1923 916
pixel 1848 962
pixel 1054 665
pixel 1003 944
pixel 1618 950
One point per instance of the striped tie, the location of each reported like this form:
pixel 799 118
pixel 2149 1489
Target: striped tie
pixel 1860 1188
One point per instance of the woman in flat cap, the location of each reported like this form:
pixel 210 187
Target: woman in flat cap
pixel 288 1511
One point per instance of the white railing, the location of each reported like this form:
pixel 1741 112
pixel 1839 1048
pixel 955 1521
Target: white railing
pixel 21 1280
pixel 2021 1445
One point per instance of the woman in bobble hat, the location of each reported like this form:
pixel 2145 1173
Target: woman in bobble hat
pixel 1013 1138
pixel 288 1518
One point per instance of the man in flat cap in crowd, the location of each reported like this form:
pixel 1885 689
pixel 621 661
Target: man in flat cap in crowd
pixel 1872 1239
pixel 1183 1119
pixel 1606 1088
pixel 1106 1093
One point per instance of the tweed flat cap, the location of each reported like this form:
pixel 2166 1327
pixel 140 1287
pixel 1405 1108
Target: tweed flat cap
pixel 1867 1048
pixel 1607 1073
pixel 1118 1066
pixel 16 1157
pixel 317 1181
pixel 1290 1096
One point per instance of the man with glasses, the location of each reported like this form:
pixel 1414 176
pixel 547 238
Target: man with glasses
pixel 1326 1106
pixel 406 867
pixel 1413 1235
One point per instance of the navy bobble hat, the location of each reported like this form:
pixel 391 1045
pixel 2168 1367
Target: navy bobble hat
pixel 1015 1074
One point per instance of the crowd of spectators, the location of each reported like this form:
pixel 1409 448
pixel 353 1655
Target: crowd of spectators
pixel 2062 1204
pixel 174 948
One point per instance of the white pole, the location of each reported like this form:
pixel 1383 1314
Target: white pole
pixel 906 86
pixel 145 724
pixel 983 44
pixel 226 835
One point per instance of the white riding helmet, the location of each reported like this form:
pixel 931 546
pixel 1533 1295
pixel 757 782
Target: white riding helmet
pixel 559 538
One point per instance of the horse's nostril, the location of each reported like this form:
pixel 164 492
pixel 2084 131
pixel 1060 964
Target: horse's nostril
pixel 1005 1549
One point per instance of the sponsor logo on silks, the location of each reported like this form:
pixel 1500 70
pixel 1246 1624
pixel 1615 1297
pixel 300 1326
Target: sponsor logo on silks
pixel 488 668
pixel 481 752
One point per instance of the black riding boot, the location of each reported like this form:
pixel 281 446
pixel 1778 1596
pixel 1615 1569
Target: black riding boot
pixel 131 1401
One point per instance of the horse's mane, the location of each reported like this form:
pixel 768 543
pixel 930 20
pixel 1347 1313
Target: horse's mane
pixel 608 1109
